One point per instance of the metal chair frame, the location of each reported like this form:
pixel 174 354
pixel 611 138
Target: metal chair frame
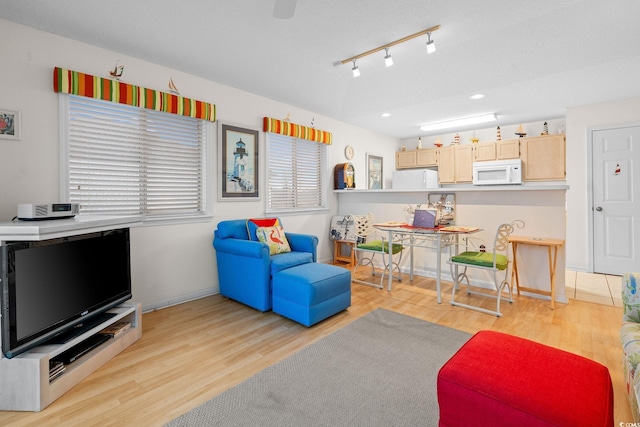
pixel 364 229
pixel 500 246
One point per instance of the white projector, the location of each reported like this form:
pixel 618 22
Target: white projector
pixel 32 212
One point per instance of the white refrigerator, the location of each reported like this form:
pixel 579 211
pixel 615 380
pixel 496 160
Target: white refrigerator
pixel 414 179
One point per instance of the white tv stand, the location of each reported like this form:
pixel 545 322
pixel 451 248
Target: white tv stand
pixel 24 379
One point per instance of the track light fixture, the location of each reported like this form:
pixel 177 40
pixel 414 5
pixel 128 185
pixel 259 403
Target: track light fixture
pixel 387 58
pixel 431 47
pixel 356 71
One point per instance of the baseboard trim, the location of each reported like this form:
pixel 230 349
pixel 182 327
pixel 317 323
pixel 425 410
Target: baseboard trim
pixel 178 300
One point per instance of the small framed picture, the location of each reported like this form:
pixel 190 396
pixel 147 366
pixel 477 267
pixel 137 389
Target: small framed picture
pixel 375 177
pixel 238 164
pixel 10 124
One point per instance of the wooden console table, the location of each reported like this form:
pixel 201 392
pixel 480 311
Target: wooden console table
pixel 552 246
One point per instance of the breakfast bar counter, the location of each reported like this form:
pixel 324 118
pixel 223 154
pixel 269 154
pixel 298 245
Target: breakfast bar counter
pixel 540 206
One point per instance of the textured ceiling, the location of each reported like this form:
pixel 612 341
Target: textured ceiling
pixel 531 59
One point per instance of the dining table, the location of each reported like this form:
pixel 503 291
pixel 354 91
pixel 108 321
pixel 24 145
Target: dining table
pixel 437 238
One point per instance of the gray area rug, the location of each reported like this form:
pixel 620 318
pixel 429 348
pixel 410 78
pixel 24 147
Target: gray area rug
pixel 379 370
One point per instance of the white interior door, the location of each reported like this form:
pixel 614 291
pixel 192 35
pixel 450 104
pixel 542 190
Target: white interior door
pixel 616 200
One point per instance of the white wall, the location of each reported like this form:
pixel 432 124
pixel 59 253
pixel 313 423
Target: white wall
pixel 169 263
pixel 579 121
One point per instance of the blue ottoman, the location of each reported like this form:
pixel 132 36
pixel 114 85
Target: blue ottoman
pixel 309 293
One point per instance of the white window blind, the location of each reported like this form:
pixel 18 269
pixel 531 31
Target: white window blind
pixel 124 160
pixel 296 174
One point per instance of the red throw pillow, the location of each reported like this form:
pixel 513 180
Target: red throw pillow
pixel 254 223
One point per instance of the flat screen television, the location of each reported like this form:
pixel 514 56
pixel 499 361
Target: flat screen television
pixel 53 287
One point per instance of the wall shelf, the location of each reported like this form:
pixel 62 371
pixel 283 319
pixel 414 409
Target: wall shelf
pixel 467 189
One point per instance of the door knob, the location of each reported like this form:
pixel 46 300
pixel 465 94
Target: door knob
pixel 599 209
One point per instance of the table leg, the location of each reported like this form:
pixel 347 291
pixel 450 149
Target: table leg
pixel 552 273
pixel 389 249
pixel 514 272
pixel 438 267
pixel 411 242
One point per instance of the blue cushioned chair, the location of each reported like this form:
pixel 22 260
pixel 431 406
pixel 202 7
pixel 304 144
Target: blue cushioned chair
pixel 245 267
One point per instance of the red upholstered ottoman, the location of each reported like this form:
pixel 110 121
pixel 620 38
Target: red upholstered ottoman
pixel 497 379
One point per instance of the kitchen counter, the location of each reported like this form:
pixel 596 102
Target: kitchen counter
pixel 541 206
pixel 466 188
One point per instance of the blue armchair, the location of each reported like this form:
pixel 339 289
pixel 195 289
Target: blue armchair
pixel 245 266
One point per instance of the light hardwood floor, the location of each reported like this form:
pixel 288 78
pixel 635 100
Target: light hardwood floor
pixel 193 351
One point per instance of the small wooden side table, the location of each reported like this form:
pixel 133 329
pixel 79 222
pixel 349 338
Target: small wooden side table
pixel 552 246
pixel 339 256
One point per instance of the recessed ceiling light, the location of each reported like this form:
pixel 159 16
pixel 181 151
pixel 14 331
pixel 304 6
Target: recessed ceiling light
pixel 386 114
pixel 477 96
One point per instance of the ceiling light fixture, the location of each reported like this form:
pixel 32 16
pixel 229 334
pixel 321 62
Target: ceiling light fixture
pixel 477 96
pixel 387 58
pixel 430 48
pixel 485 118
pixel 356 71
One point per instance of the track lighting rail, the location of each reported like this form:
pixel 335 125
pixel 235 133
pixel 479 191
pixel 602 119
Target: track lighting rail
pixel 388 45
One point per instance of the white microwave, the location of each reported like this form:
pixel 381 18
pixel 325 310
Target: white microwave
pixel 497 172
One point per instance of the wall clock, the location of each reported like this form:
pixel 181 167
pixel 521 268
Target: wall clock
pixel 349 152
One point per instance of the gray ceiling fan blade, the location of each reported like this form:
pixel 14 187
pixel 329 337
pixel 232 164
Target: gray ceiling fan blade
pixel 284 9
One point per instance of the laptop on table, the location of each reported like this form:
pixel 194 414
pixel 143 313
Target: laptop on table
pixel 424 218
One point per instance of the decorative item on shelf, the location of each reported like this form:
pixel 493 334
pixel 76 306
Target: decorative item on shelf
pixel 117 71
pixel 474 139
pixel 520 131
pixel 403 148
pixel 410 212
pixel 349 152
pixel 172 87
pixel 498 136
pixel 456 139
pixel 438 143
pixel 419 143
pixel 545 129
pixel 445 206
pixel 374 172
pixel 343 228
pixel 344 176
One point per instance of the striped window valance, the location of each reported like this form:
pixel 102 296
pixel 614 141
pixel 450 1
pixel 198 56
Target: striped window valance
pixel 76 83
pixel 283 127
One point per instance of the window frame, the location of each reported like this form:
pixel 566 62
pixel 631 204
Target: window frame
pixel 205 215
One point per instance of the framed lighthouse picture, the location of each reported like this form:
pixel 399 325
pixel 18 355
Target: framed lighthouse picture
pixel 238 172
